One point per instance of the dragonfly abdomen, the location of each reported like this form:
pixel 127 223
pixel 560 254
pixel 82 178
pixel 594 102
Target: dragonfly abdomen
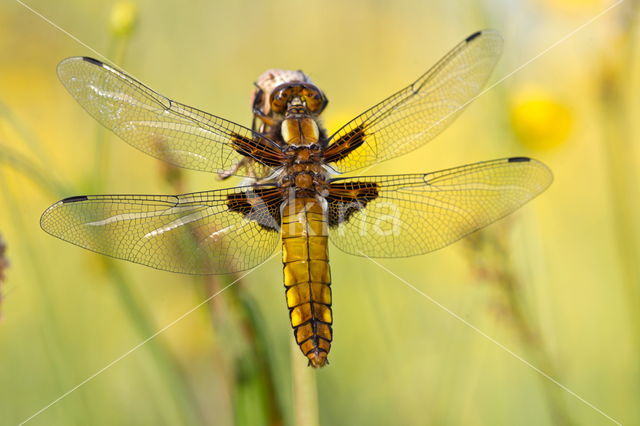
pixel 307 277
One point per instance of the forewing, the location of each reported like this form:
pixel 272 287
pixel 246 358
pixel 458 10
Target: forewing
pixel 420 111
pixel 158 126
pixel 212 232
pixel 406 215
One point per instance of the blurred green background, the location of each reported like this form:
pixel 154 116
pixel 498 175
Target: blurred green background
pixel 557 283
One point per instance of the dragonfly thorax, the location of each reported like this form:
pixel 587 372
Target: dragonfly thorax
pixel 300 130
pixel 305 178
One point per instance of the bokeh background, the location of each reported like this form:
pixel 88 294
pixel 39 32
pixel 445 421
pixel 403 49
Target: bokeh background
pixel 554 288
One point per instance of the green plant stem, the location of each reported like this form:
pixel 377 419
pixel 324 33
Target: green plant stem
pixel 116 52
pixel 532 341
pixel 492 244
pixel 619 148
pixel 253 325
pixel 166 364
pixel 305 394
pixel 52 341
pixel 101 160
pixel 29 169
pixel 257 361
pixel 161 354
pixel 23 131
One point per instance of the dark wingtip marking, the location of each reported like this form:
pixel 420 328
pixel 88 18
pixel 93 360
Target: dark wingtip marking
pixel 92 60
pixel 472 36
pixel 519 159
pixel 75 199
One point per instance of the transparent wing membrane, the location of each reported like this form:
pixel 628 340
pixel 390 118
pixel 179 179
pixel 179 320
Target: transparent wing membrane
pixel 419 112
pixel 212 232
pixel 406 215
pixel 223 231
pixel 165 129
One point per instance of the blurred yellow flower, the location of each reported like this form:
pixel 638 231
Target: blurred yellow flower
pixel 539 119
pixel 124 17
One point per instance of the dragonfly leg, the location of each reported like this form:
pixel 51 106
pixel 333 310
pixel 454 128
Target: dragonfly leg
pixel 226 174
pixel 266 119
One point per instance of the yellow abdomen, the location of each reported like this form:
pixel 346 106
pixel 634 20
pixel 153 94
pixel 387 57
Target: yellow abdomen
pixel 307 277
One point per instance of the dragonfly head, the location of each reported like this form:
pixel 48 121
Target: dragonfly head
pixel 279 90
pixel 297 98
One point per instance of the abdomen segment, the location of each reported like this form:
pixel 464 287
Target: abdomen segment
pixel 307 277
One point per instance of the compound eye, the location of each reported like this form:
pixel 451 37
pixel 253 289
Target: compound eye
pixel 279 100
pixel 311 93
pixel 314 99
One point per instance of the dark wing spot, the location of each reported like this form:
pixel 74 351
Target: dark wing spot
pixel 472 36
pixel 75 199
pixel 519 159
pixel 259 204
pixel 345 145
pixel 257 149
pixel 93 61
pixel 345 199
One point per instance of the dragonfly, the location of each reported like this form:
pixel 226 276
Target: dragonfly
pixel 294 193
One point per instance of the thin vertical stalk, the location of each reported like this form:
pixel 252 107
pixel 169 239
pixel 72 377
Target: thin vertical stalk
pixel 254 366
pixel 246 314
pixel 490 260
pixel 218 312
pixel 29 169
pixel 253 326
pixel 620 145
pixel 166 364
pixel 23 131
pixel 139 319
pixel 305 394
pixel 51 341
pixel 123 22
pixel 102 148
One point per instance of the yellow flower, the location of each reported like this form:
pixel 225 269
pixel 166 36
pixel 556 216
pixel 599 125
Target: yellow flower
pixel 539 119
pixel 124 17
